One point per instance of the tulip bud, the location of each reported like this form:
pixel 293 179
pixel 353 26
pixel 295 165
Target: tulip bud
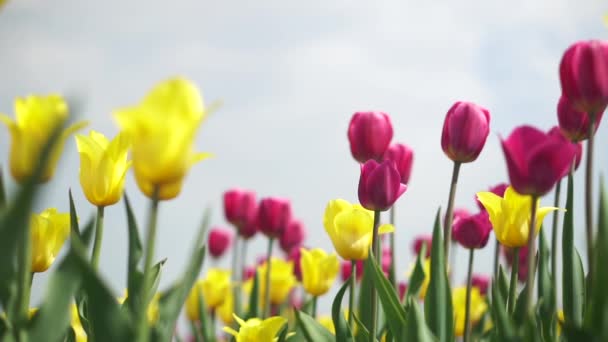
pixel 573 123
pixel 369 134
pixel 420 241
pixel 481 282
pixel 294 256
pixel 293 235
pixel 458 214
pixel 473 231
pixel 219 241
pixel 273 216
pixel 583 73
pixel 347 269
pixel 379 185
pixel 240 209
pixel 465 130
pixel 498 190
pixel 403 157
pixel 578 147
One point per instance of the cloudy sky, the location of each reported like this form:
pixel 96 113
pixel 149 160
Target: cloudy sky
pixel 290 74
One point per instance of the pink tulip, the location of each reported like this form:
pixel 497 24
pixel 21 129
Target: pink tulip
pixel 522 272
pixel 346 270
pixel 575 124
pixel 498 189
pixel 219 240
pixel 249 230
pixel 294 256
pixel 578 147
pixel 481 282
pixel 402 289
pixel 583 73
pixel 369 135
pixel 240 208
pixel 274 214
pixel 422 240
pixel 379 185
pixel 465 130
pixel 458 214
pixel 248 272
pixel 473 231
pixel 536 160
pixel 293 236
pixel 387 260
pixel 403 157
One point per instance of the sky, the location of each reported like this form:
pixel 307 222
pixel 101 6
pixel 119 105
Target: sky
pixel 290 75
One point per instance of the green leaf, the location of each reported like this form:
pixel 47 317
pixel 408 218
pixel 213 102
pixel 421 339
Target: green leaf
pixel 415 328
pixel 207 330
pixel 573 288
pixel 544 278
pixel 417 276
pixel 520 313
pixel 438 301
pixel 283 333
pixel 2 192
pixel 254 298
pixel 503 284
pixel 134 276
pixel 313 330
pixel 362 332
pixel 366 286
pixel 343 332
pixel 504 326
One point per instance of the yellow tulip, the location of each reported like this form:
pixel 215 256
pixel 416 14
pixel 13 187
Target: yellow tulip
pixel 350 228
pixel 257 330
pixel 49 230
pixel 560 321
pixel 510 216
pixel 79 333
pixel 214 288
pixel 162 129
pixel 103 167
pixel 319 270
pixel 226 310
pixel 328 323
pixel 37 117
pixel 282 280
pixel 477 309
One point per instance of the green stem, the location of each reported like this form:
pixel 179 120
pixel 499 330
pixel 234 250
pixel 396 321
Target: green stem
pixel 142 322
pixel 374 295
pixel 513 284
pixel 496 257
pixel 351 293
pixel 313 311
pixel 98 237
pixel 25 278
pixel 236 276
pixel 392 276
pixel 467 309
pixel 449 215
pixel 589 197
pixel 531 254
pixel 554 233
pixel 268 270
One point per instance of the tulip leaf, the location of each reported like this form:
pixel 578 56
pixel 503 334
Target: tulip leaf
pixel 573 287
pixel 134 276
pixel 504 327
pixel 254 297
pixel 520 313
pixel 503 284
pixel 415 329
pixel 438 300
pixel 207 330
pixel 366 287
pixel 2 192
pixel 362 334
pixel 546 308
pixel 283 333
pixel 313 331
pixel 417 277
pixel 343 332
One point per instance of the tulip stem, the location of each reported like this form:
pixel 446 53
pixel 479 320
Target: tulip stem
pixel 98 237
pixel 554 234
pixel 449 215
pixel 142 322
pixel 25 278
pixel 351 293
pixel 467 308
pixel 374 295
pixel 391 275
pixel 236 276
pixel 496 257
pixel 531 254
pixel 313 310
pixel 589 197
pixel 268 270
pixel 513 284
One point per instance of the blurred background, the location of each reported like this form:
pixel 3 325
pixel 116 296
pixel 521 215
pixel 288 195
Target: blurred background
pixel 290 75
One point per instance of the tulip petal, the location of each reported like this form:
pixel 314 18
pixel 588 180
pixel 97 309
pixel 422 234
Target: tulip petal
pixel 386 228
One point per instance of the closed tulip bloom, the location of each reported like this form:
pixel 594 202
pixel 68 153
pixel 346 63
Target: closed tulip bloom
pixel 583 73
pixel 473 231
pixel 49 230
pixel 403 157
pixel 103 167
pixel 346 270
pixel 465 130
pixel 536 160
pixel 295 255
pixel 319 270
pixel 36 118
pixel 240 208
pixel 573 123
pixel 369 134
pixel 214 288
pixel 282 280
pixel 274 214
pixel 257 330
pixel 421 240
pixel 350 229
pixel 162 129
pixel 293 236
pixel 219 241
pixel 510 216
pixel 379 185
pixel 481 282
pixel 477 309
pixel 498 189
pixel 226 309
pixel 578 147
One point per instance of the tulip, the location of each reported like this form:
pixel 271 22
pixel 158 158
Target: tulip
pixel 293 236
pixel 49 231
pixel 162 129
pixel 248 272
pixel 478 308
pixel 402 289
pixel 219 241
pixel 328 323
pixel 347 269
pixel 403 157
pixel 226 309
pixel 522 261
pixel 473 231
pixel 255 329
pixel 421 240
pixel 79 334
pixel 295 255
pixel 350 229
pixel 379 185
pixel 481 282
pixel 214 288
pixel 557 133
pixel 575 124
pixel 583 72
pixel 282 280
pixel 37 117
pixel 465 130
pixel 535 160
pixel 510 216
pixel 319 270
pixel 241 209
pixel 386 261
pixel 498 189
pixel 369 134
pixel 274 214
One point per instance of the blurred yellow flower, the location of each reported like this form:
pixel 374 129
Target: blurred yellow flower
pixel 103 167
pixel 477 310
pixel 328 323
pixel 350 228
pixel 282 280
pixel 319 270
pixel 79 333
pixel 560 321
pixel 49 230
pixel 257 330
pixel 36 118
pixel 510 216
pixel 214 288
pixel 162 129
pixel 226 309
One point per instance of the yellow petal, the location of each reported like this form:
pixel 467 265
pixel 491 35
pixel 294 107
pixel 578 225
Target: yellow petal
pixel 386 228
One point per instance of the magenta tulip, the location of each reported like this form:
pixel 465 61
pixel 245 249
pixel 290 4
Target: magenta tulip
pixel 403 157
pixel 274 214
pixel 498 190
pixel 219 240
pixel 481 282
pixel 465 130
pixel 578 147
pixel 369 134
pixel 379 185
pixel 248 272
pixel 473 231
pixel 535 160
pixel 294 256
pixel 522 271
pixel 573 123
pixel 346 270
pixel 402 289
pixel 421 240
pixel 293 236
pixel 583 73
pixel 240 208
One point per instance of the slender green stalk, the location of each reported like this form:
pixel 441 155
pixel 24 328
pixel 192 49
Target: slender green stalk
pixel 496 258
pixel 392 276
pixel 236 276
pixel 374 295
pixel 142 322
pixel 351 293
pixel 449 214
pixel 589 197
pixel 467 308
pixel 98 237
pixel 513 283
pixel 554 233
pixel 25 278
pixel 313 310
pixel 268 270
pixel 531 254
